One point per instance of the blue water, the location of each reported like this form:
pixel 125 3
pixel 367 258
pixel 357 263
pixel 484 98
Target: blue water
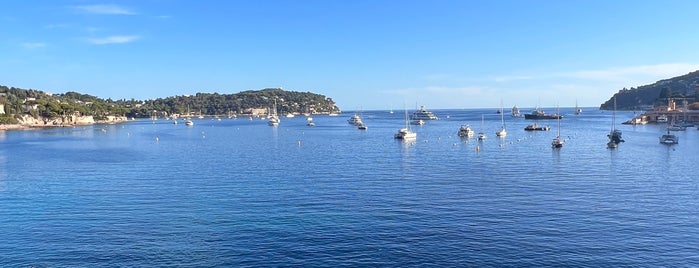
pixel 239 193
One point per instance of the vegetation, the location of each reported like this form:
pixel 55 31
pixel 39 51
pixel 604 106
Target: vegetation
pixel 241 103
pixel 18 102
pixel 685 87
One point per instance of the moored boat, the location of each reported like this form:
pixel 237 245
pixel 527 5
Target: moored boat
pixel 614 134
pixel 515 112
pixel 538 114
pixel 465 131
pixel 424 114
pixel 669 138
pixel 418 122
pixel 405 133
pixel 536 127
pixel 558 141
pixel 354 120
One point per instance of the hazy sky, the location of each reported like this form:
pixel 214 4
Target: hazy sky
pixel 365 54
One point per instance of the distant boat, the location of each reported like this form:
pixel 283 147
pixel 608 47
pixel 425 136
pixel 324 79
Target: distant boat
pixel 362 126
pixel 289 115
pixel 502 132
pixel 188 121
pixel 424 114
pixel 578 110
pixel 538 114
pixel 405 133
pixel 675 127
pixel 558 141
pixel 273 119
pixel 614 134
pixel 669 138
pixel 536 127
pixel 465 131
pixel 332 114
pixel 515 112
pixel 355 120
pixel 418 122
pixel 481 135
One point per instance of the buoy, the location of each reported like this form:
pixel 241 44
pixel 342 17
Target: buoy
pixel 298 143
pixel 157 139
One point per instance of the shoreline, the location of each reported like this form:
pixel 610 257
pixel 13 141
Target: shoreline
pixel 10 127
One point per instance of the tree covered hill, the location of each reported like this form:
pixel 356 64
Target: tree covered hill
pixel 682 87
pixel 17 102
pixel 242 102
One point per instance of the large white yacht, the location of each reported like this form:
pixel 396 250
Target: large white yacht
pixel 424 114
pixel 355 120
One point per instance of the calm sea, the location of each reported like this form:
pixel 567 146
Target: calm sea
pixel 239 193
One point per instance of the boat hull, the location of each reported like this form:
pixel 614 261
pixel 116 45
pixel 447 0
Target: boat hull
pixel 542 117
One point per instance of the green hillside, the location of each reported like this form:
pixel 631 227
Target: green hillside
pixel 17 102
pixel 681 87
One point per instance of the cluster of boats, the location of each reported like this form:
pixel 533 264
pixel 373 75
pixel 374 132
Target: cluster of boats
pixel 356 120
pixel 420 116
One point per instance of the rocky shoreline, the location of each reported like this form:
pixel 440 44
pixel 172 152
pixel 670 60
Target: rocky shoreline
pixel 28 123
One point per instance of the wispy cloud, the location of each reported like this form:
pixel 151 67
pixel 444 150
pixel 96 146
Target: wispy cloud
pixel 33 45
pixel 115 39
pixel 105 9
pixel 56 26
pixel 511 78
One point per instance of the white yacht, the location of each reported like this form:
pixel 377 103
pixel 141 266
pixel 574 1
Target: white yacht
pixel 405 134
pixel 515 112
pixel 465 131
pixel 424 114
pixel 354 120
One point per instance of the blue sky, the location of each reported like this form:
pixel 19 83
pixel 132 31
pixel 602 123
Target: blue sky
pixel 365 54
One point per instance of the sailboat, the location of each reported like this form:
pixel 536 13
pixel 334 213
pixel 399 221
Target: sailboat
pixel 669 138
pixel 502 132
pixel 558 141
pixel 273 118
pixel 188 121
pixel 578 110
pixel 481 135
pixel 614 134
pixel 405 133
